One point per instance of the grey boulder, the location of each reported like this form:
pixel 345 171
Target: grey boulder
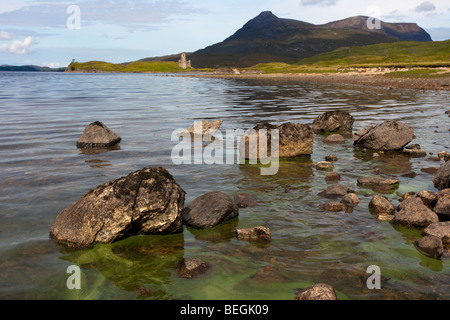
pixel 147 201
pixel 209 210
pixel 442 177
pixel 390 135
pixel 96 135
pixel 333 121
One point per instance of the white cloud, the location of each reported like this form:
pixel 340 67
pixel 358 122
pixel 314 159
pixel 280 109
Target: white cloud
pixel 6 35
pixel 322 3
pixel 17 46
pixel 425 6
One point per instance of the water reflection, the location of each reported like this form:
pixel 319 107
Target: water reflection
pixel 98 150
pixel 135 263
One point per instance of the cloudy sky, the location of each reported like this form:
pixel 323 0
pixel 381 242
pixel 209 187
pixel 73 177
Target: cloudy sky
pixel 53 32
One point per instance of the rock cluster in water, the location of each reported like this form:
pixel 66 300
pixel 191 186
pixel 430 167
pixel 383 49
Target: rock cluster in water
pixel 149 201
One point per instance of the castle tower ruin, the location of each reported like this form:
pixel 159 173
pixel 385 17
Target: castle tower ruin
pixel 183 63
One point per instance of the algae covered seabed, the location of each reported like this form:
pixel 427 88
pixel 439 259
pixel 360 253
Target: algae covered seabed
pixel 42 172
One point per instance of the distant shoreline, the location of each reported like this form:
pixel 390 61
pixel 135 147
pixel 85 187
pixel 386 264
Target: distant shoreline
pixel 375 80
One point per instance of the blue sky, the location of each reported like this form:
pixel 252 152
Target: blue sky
pixel 46 33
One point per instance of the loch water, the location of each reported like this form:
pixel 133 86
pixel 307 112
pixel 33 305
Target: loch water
pixel 42 172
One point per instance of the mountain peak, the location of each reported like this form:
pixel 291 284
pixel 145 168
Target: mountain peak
pixel 266 15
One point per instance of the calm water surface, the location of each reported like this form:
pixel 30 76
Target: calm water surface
pixel 42 172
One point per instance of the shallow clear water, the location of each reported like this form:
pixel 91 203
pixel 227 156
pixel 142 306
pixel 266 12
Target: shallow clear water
pixel 42 172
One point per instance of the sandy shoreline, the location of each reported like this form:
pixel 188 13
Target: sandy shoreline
pixel 347 78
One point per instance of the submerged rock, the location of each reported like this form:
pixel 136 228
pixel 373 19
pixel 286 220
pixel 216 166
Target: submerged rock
pixel 334 206
pixel 209 210
pixel 319 291
pixel 415 152
pixel 431 246
pixel 147 201
pixel 351 200
pixel 334 138
pixel 331 158
pixel 254 234
pixel 324 165
pixel 98 135
pixel 335 191
pixel 333 121
pixel 294 140
pixel 202 128
pixel 268 274
pixel 191 267
pixel 333 176
pixel 378 182
pixel 390 135
pixel 243 200
pixel 442 177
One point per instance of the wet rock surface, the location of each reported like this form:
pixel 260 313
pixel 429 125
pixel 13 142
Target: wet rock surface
pixel 381 205
pixel 191 267
pixel 442 207
pixel 333 176
pixel 209 210
pixel 319 291
pixel 98 135
pixel 378 183
pixel 334 206
pixel 148 201
pixel 442 177
pixel 431 246
pixel 259 233
pixel 202 129
pixel 440 230
pixel 244 200
pixel 334 138
pixel 414 214
pixel 390 135
pixel 335 191
pixel 351 200
pixel 333 121
pixel 294 140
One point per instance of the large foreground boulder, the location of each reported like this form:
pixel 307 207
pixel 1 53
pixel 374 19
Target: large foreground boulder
pixel 147 201
pixel 390 135
pixel 98 135
pixel 442 177
pixel 209 210
pixel 294 140
pixel 333 121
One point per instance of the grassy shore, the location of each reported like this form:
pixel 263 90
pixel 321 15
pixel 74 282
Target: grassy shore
pixel 132 67
pixel 417 65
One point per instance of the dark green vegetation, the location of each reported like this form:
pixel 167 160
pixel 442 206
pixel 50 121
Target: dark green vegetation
pixel 398 54
pixel 404 54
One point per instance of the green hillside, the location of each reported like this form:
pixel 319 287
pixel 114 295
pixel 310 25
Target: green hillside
pixel 132 67
pixel 398 54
